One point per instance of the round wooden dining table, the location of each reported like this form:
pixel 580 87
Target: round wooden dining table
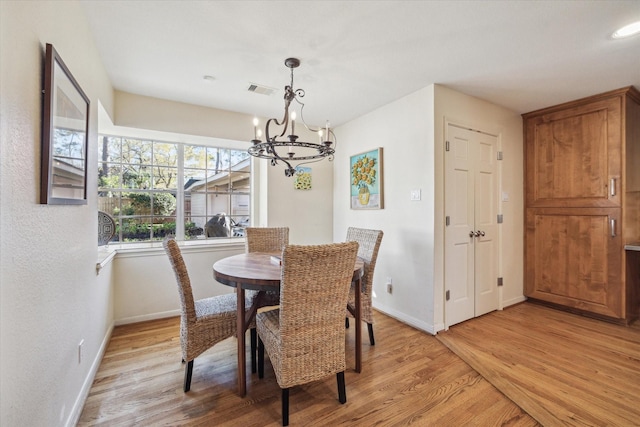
pixel 261 272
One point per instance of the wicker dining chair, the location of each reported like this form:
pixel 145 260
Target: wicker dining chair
pixel 204 322
pixel 264 239
pixel 369 244
pixel 304 337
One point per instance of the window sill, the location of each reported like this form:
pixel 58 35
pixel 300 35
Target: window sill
pixel 105 255
pixel 108 252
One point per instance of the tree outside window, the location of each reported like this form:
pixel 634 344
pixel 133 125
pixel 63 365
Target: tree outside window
pixel 146 189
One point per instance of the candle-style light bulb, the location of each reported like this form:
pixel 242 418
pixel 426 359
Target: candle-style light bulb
pixel 327 130
pixel 320 133
pixel 259 133
pixel 255 128
pixel 293 123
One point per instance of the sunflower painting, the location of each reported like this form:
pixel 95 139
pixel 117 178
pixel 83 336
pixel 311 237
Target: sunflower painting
pixel 366 180
pixel 302 178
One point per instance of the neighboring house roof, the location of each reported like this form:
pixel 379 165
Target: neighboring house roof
pixel 222 178
pixel 190 182
pixel 64 169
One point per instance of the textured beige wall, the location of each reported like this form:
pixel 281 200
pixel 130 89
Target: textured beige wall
pixel 50 295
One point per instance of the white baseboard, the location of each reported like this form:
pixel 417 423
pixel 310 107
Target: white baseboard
pixel 513 301
pixel 411 321
pixel 76 411
pixel 145 317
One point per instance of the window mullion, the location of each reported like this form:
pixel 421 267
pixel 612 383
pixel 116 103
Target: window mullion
pixel 180 195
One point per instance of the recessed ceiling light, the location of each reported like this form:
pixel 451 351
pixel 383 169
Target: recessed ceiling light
pixel 209 78
pixel 627 31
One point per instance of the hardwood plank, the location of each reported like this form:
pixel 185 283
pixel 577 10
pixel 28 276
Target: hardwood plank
pixel 408 377
pixel 559 367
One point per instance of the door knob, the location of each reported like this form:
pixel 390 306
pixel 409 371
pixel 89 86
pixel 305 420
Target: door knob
pixel 471 233
pixel 478 233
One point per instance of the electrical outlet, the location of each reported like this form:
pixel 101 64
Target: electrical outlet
pixel 80 352
pixel 389 288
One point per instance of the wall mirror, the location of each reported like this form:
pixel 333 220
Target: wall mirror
pixel 65 127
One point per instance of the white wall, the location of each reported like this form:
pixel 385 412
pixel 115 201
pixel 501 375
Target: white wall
pixel 145 286
pixel 411 131
pixel 307 213
pixel 404 129
pixel 50 295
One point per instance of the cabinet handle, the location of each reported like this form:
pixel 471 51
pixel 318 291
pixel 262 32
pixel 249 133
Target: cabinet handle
pixel 612 187
pixel 613 228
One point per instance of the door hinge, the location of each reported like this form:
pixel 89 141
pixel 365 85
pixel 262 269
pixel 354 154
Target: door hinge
pixel 499 155
pixel 500 219
pixel 447 296
pixel 446 146
pixel 500 281
pixel 447 220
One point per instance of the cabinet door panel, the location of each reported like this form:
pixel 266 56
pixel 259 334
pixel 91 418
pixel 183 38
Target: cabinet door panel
pixel 573 155
pixel 573 258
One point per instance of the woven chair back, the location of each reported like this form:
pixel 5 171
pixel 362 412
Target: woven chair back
pixel 266 239
pixel 369 244
pixel 314 291
pixel 188 310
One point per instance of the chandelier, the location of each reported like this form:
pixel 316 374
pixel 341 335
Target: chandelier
pixel 288 149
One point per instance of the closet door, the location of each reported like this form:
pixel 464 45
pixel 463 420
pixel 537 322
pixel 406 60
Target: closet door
pixel 471 233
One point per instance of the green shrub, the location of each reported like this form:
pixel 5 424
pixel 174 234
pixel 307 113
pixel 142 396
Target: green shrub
pixel 163 203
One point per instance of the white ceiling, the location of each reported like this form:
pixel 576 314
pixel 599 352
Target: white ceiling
pixel 359 55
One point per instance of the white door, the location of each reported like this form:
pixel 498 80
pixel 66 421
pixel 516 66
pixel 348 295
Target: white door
pixel 471 249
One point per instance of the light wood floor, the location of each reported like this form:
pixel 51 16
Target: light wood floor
pixel 562 369
pixel 408 378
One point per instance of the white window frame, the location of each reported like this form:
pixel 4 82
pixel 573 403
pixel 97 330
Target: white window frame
pixel 180 213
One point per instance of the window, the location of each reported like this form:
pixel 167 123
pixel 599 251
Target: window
pixel 155 188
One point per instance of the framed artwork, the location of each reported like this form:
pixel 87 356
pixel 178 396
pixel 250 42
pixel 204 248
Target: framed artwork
pixel 302 179
pixel 65 127
pixel 366 180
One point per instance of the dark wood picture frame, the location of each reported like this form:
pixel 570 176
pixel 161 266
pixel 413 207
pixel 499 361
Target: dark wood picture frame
pixel 65 130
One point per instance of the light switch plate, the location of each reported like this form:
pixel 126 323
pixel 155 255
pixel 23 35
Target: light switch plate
pixel 415 194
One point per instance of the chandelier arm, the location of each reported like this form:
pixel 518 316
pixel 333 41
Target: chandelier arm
pixel 266 128
pixel 304 122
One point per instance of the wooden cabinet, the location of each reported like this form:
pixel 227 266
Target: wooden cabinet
pixel 582 199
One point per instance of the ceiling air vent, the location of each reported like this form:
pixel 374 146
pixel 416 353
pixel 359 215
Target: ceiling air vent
pixel 262 90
